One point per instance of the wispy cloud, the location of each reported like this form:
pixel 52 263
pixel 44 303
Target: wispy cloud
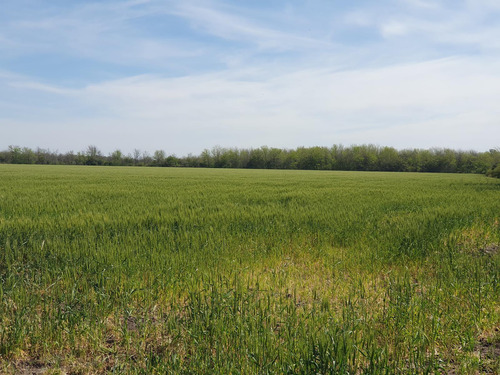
pixel 187 75
pixel 97 31
pixel 425 4
pixel 232 27
pixel 467 23
pixel 304 107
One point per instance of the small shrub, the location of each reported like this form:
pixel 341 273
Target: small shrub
pixel 494 172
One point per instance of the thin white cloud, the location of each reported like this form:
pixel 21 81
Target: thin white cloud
pixel 454 97
pixel 423 4
pixel 394 28
pixel 323 84
pixel 98 31
pixel 29 85
pixel 233 27
pixel 432 25
pixel 105 31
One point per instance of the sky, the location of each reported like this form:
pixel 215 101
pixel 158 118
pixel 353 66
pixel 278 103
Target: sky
pixel 185 75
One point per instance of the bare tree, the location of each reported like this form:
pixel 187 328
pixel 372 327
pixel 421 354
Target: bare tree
pixel 136 156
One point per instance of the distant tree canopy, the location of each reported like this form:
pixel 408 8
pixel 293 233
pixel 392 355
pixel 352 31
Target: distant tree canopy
pixel 337 157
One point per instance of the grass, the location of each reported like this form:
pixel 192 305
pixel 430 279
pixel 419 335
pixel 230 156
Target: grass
pixel 149 270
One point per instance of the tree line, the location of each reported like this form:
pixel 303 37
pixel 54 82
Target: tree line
pixel 337 157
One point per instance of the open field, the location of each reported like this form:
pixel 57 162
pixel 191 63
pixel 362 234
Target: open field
pixel 158 270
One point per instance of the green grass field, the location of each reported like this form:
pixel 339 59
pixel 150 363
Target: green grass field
pixel 205 271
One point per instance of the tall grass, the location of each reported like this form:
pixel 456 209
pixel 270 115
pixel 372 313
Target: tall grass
pixel 132 270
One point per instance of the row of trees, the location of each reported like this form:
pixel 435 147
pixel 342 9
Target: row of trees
pixel 337 157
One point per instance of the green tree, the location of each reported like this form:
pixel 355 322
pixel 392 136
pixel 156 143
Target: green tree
pixel 257 159
pixel 117 158
pixel 206 159
pixel 94 156
pixel 389 160
pixel 159 158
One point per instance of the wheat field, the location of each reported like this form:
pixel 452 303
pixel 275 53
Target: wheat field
pixel 211 271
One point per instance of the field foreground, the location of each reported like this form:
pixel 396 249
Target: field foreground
pixel 159 270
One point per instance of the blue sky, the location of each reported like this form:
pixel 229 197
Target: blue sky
pixel 187 75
